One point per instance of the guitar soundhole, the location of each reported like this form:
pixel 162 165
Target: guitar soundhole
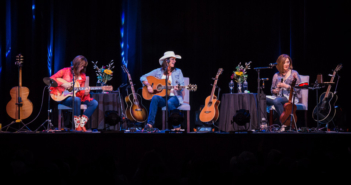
pixel 159 88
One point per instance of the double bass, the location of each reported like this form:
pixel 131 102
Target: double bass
pixel 19 107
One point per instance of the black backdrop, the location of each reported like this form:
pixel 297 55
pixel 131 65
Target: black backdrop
pixel 207 34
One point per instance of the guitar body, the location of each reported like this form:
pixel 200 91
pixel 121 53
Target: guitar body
pixel 66 93
pixel 285 116
pixel 210 112
pixel 156 84
pixel 326 109
pixel 135 111
pixel 27 106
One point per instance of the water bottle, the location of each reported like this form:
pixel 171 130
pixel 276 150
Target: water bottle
pixel 245 86
pixel 231 86
pixel 263 126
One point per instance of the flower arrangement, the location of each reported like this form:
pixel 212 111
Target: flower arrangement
pixel 240 75
pixel 104 73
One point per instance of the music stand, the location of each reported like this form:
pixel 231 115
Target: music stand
pixel 50 83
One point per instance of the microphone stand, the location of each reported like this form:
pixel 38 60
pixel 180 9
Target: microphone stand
pixel 292 111
pixel 259 91
pixel 166 93
pixel 73 98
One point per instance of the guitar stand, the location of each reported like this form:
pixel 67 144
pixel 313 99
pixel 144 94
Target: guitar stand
pixel 50 125
pixel 19 130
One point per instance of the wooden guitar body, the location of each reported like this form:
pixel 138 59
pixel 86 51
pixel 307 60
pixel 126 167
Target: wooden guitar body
pixel 285 116
pixel 326 109
pixel 210 112
pixel 134 110
pixel 156 84
pixel 26 108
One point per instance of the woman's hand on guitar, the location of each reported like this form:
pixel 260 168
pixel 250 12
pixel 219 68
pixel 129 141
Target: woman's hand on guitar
pixel 150 89
pixel 67 85
pixel 176 88
pixel 275 91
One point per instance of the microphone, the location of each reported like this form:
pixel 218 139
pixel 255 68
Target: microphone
pixel 264 79
pixel 272 64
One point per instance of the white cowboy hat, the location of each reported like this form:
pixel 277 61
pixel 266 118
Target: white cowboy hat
pixel 169 54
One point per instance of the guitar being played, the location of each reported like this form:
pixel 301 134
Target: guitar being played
pixel 64 79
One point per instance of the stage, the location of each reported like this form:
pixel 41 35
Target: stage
pixel 176 151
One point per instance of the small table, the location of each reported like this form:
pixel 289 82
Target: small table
pixel 107 102
pixel 230 103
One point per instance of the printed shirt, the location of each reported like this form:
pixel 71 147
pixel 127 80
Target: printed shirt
pixel 288 80
pixel 66 74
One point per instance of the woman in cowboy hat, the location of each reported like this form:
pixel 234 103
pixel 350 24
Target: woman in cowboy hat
pixel 175 77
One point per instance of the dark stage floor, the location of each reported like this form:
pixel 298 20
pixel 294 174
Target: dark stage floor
pixel 176 150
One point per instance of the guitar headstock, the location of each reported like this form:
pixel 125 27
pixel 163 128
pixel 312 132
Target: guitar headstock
pixel 107 88
pixel 125 69
pixel 338 67
pixel 219 72
pixel 191 87
pixel 19 60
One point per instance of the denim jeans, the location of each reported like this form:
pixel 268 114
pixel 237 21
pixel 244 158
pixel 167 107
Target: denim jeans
pixel 278 103
pixel 91 106
pixel 158 101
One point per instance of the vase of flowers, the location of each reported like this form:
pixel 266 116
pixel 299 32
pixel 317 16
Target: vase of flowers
pixel 104 73
pixel 240 74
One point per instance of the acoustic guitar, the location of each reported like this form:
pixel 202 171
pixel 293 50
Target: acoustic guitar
pixel 285 117
pixel 135 110
pixel 159 87
pixel 69 92
pixel 19 107
pixel 210 112
pixel 326 106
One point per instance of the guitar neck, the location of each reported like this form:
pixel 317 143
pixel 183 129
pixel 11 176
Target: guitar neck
pixel 91 88
pixel 172 87
pixel 132 88
pixel 329 86
pixel 213 88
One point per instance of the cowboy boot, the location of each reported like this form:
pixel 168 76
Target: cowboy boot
pixel 77 123
pixel 83 120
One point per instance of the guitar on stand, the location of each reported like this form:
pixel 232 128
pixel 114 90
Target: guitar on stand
pixel 19 107
pixel 288 117
pixel 210 112
pixel 135 110
pixel 159 87
pixel 325 110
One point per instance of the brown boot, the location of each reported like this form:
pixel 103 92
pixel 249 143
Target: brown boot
pixel 83 120
pixel 77 123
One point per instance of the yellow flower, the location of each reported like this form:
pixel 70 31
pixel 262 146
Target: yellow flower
pixel 108 72
pixel 238 73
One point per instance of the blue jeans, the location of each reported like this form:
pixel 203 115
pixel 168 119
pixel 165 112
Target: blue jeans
pixel 91 106
pixel 278 103
pixel 158 101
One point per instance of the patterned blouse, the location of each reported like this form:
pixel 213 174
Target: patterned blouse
pixel 286 92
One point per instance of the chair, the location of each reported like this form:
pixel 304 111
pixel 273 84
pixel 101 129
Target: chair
pixel 61 107
pixel 303 101
pixel 183 107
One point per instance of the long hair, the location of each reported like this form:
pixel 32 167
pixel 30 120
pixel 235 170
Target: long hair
pixel 77 61
pixel 281 61
pixel 164 65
